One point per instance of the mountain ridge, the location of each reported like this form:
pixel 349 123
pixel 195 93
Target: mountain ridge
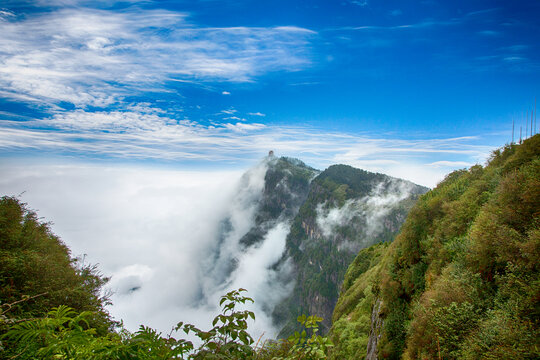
pixel 329 216
pixel 329 230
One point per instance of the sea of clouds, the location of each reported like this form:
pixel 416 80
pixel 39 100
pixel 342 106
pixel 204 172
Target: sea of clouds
pixel 159 235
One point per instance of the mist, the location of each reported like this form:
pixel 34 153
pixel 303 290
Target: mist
pixel 367 212
pixel 169 240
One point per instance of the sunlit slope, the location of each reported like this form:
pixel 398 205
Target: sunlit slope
pixel 460 281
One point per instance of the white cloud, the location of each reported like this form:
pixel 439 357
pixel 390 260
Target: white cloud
pixel 361 3
pixel 225 93
pixel 256 114
pixel 242 127
pixel 146 133
pixel 381 201
pixel 407 158
pixel 96 57
pixel 329 219
pixel 4 14
pixel 368 210
pixel 514 58
pixel 255 272
pixel 453 164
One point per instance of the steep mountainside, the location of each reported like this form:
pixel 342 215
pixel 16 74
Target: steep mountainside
pixel 324 219
pixel 267 199
pixel 286 186
pixel 347 209
pixel 460 281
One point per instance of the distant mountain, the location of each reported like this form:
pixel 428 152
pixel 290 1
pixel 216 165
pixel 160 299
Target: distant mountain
pixel 328 217
pixel 267 199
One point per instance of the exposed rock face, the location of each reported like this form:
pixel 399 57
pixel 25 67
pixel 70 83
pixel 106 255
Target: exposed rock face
pixel 375 331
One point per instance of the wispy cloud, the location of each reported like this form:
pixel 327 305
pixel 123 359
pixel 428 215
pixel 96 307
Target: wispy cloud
pixel 514 58
pixel 234 118
pixel 148 134
pixel 256 114
pixel 96 57
pixel 452 164
pixel 362 3
pixel 482 12
pixel 419 25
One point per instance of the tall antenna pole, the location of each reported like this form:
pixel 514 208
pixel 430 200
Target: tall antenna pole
pixel 512 130
pixel 527 124
pixel 531 122
pixel 535 115
pixel 520 127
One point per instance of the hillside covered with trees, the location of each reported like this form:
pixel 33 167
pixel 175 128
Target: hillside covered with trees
pixel 460 281
pixel 37 272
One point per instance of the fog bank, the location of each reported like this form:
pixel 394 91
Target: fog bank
pixel 160 236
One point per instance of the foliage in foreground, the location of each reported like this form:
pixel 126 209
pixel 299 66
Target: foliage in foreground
pixel 66 334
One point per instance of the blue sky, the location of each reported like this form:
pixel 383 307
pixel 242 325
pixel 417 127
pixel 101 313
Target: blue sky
pixel 411 88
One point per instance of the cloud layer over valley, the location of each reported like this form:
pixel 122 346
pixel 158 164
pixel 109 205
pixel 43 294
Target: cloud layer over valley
pixel 156 233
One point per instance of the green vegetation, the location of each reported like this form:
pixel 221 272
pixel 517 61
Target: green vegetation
pixel 351 319
pixel 66 334
pixel 460 281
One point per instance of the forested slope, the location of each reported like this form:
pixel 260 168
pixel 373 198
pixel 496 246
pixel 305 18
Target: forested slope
pixel 460 281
